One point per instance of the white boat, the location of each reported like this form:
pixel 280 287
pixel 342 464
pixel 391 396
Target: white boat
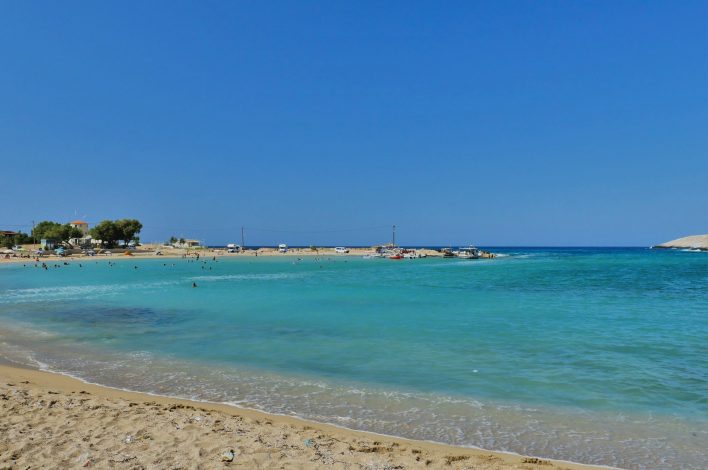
pixel 283 248
pixel 469 252
pixel 341 250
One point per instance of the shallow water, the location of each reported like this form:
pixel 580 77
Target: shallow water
pixel 591 355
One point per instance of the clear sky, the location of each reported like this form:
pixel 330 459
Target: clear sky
pixel 492 123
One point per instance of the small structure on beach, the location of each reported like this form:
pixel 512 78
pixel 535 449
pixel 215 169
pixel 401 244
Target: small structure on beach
pixel 182 243
pixel 46 244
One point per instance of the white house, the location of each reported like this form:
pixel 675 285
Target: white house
pixel 187 244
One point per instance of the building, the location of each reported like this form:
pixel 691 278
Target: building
pixel 81 225
pixel 6 235
pixel 187 244
pixel 83 242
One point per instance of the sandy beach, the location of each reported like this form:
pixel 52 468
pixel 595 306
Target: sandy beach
pixel 148 251
pixel 53 421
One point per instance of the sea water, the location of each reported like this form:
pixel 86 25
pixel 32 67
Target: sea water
pixel 591 355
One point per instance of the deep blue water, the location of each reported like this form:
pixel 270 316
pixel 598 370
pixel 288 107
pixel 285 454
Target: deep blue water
pixel 585 354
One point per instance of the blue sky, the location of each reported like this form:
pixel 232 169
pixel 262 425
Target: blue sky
pixel 494 123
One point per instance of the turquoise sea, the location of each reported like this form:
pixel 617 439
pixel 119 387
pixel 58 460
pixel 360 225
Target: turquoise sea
pixel 590 355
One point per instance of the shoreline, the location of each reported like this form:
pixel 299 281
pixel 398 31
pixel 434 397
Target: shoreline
pixel 204 253
pixel 388 450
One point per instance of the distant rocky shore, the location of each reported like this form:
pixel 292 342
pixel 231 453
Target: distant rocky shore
pixel 693 242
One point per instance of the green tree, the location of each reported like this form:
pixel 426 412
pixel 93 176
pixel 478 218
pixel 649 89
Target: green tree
pixel 22 239
pixel 41 229
pixel 108 232
pixel 128 228
pixel 55 232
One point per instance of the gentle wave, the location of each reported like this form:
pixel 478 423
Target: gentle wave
pixel 38 294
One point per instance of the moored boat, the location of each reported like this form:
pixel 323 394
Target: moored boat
pixel 469 252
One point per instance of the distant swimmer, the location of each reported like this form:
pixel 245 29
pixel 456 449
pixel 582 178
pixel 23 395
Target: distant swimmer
pixel 194 284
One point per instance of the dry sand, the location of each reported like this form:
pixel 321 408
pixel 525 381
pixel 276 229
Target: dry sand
pixel 52 421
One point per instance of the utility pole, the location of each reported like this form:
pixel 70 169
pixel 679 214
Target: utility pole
pixel 243 245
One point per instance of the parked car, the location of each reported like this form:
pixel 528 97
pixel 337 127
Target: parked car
pixel 17 247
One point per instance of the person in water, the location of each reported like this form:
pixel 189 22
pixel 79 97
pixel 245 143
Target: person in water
pixel 194 284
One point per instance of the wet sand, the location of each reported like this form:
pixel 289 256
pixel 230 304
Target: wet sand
pixel 52 421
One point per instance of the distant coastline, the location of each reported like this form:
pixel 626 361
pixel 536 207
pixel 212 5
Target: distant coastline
pixel 692 242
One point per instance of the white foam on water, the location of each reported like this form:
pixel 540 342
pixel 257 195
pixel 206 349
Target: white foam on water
pixel 576 435
pixel 39 294
pixel 249 277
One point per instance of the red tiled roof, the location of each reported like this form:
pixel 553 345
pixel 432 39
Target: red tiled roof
pixel 79 222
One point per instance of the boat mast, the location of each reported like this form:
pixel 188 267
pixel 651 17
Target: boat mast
pixel 242 245
pixel 394 237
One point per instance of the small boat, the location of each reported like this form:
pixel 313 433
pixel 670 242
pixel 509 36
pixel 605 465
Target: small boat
pixel 469 252
pixel 447 253
pixel 396 256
